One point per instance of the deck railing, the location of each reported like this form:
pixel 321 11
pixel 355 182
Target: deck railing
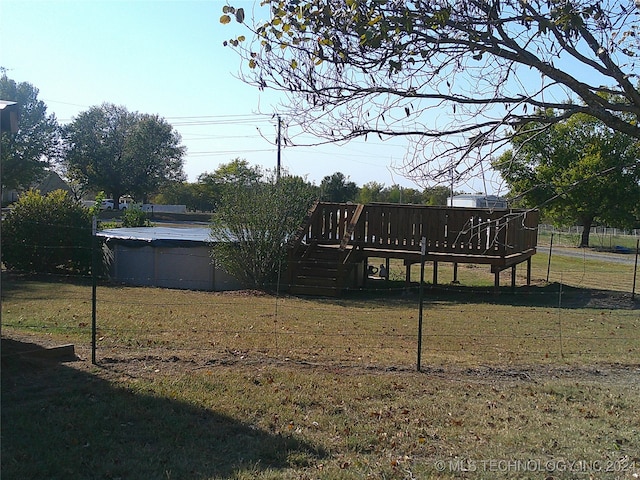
pixel 454 230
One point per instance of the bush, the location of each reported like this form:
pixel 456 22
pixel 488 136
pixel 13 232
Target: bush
pixel 47 234
pixel 135 217
pixel 252 225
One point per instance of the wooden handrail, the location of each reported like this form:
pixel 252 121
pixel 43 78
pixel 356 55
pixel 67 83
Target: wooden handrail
pixel 456 230
pixel 303 230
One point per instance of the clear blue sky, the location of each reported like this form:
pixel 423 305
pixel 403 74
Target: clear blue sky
pixel 166 58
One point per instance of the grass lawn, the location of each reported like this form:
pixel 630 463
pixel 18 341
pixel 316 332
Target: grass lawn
pixel 189 385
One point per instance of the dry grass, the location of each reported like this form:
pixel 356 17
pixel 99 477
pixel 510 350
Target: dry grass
pixel 245 385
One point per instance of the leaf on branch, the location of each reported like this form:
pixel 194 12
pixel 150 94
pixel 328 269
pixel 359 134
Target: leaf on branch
pixel 240 15
pixel 225 19
pixel 406 110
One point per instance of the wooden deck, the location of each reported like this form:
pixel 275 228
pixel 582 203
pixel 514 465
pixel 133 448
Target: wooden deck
pixel 331 249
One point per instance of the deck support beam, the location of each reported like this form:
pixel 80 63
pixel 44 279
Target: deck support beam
pixel 407 275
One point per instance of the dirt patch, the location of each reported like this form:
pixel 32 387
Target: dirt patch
pixel 169 362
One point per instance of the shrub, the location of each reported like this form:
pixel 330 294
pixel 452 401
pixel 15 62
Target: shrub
pixel 252 225
pixel 135 217
pixel 47 234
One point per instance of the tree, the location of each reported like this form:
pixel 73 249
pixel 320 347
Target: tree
pixel 47 234
pixel 253 223
pixel 337 188
pixel 370 192
pixel 436 196
pixel 28 153
pixel 456 77
pixel 192 195
pixel 120 152
pixel 578 170
pixel 236 173
pixel 398 194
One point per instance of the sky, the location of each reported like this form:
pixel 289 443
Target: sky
pixel 166 57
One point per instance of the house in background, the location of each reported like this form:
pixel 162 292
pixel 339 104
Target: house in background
pixel 477 201
pixel 168 257
pixel 52 181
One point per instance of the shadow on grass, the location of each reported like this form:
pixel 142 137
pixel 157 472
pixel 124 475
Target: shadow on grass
pixel 61 422
pixel 548 295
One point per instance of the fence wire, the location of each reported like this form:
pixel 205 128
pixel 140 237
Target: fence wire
pixel 564 320
pixel 578 307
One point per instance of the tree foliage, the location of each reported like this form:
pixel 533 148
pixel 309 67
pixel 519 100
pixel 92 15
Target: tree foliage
pixel 337 188
pixel 120 152
pixel 47 234
pixel 456 77
pixel 135 217
pixel 253 224
pixel 27 153
pixel 193 195
pixel 235 174
pixel 578 170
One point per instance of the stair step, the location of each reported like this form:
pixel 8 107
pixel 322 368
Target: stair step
pixel 315 281
pixel 318 272
pixel 314 291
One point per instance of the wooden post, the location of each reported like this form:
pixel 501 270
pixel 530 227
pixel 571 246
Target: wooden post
pixel 455 272
pixel 496 282
pixel 529 272
pixel 407 275
pixel 435 273
pixel 513 277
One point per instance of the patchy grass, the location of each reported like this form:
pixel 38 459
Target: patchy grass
pixel 247 385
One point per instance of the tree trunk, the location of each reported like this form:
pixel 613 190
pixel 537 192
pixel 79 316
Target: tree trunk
pixel 586 230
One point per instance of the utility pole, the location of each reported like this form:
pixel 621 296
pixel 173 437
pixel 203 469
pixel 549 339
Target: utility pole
pixel 279 142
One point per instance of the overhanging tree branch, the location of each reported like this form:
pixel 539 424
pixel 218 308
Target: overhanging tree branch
pixel 445 73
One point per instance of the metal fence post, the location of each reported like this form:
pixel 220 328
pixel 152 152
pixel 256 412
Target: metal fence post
pixel 423 251
pixel 635 271
pixel 94 284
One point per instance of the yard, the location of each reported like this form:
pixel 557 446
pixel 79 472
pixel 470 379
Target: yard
pixel 544 383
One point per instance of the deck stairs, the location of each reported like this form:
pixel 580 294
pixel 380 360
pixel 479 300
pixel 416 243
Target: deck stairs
pixel 323 264
pixel 321 270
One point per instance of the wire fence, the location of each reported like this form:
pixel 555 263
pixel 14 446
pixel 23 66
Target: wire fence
pixel 577 309
pixel 599 236
pixel 377 327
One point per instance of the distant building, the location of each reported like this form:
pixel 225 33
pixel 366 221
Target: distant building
pixel 477 201
pixel 51 181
